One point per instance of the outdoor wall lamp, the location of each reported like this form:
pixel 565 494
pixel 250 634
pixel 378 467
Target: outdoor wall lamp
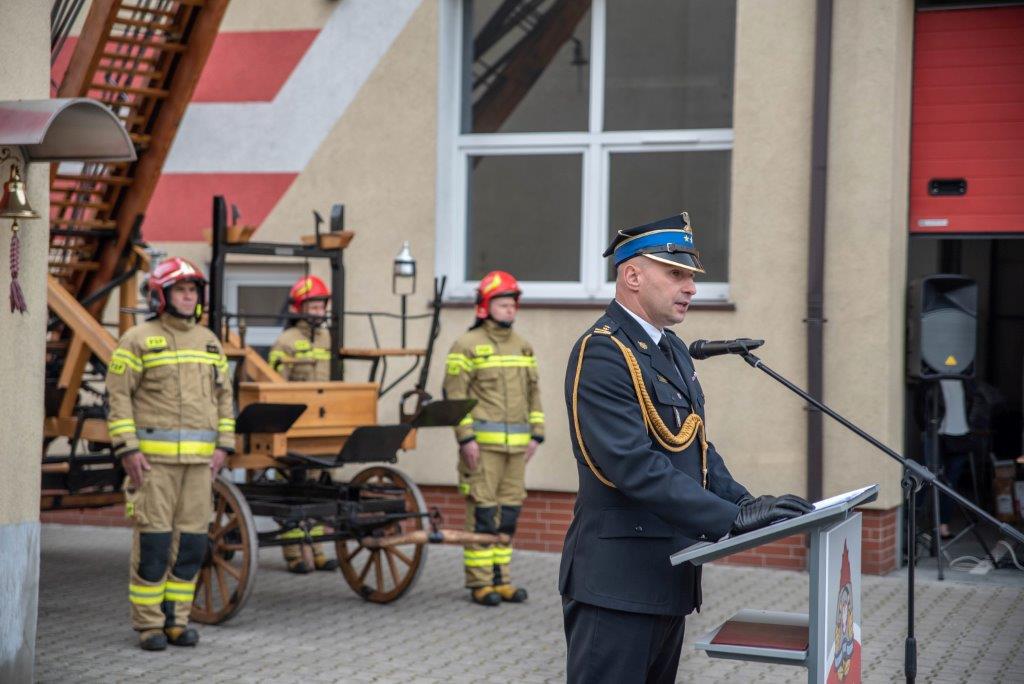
pixel 403 279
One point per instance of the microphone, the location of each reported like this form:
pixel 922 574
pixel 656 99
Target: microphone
pixel 705 349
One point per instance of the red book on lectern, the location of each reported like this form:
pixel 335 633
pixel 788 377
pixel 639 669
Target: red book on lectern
pixel 761 635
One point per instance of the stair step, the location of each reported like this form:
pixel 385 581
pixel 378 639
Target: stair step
pixel 126 57
pixel 100 206
pixel 83 223
pixel 146 73
pixel 76 266
pixel 148 10
pixel 158 45
pixel 82 178
pixel 156 93
pixel 153 25
pixel 92 234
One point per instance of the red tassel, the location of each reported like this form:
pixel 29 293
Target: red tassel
pixel 17 296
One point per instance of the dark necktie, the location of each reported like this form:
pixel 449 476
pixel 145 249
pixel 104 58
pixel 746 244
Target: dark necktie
pixel 666 349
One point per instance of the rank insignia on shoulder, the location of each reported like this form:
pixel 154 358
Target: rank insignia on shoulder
pixel 661 379
pixel 643 345
pixel 694 376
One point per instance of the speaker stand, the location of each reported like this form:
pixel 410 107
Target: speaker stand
pixel 934 463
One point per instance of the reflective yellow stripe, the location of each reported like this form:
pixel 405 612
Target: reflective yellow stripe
pixel 149 446
pixel 317 531
pixel 506 361
pixel 129 359
pixel 456 363
pixel 502 556
pixel 171 358
pixel 292 534
pixel 119 427
pixel 503 438
pixel 275 358
pixel 477 558
pixel 226 425
pixel 179 591
pixel 468 420
pixel 536 417
pixel 145 595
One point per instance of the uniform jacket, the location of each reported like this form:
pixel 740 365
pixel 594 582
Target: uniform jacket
pixel 302 353
pixel 617 549
pixel 496 367
pixel 170 392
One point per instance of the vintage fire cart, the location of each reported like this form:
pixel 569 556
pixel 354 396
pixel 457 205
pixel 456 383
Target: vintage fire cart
pixel 377 520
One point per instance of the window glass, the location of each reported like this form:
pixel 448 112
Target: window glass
pixel 526 66
pixel 524 216
pixel 669 64
pixel 648 186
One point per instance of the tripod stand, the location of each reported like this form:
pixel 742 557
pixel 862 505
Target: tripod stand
pixel 915 476
pixel 934 463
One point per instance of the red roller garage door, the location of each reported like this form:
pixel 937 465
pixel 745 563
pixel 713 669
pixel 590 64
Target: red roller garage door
pixel 967 152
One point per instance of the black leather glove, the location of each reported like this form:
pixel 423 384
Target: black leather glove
pixel 790 501
pixel 763 511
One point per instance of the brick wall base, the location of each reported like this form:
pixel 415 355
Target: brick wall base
pixel 546 516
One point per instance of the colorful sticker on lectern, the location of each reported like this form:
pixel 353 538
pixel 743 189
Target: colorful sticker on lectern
pixel 844 608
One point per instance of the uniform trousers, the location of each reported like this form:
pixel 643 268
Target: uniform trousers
pixel 494 493
pixel 614 646
pixel 171 515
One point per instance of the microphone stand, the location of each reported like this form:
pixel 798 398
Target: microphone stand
pixel 915 476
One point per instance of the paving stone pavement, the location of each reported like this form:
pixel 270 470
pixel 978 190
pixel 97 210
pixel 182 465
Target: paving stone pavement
pixel 315 629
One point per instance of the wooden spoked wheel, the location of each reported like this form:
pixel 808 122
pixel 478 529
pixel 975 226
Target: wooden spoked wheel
pixel 382 575
pixel 228 572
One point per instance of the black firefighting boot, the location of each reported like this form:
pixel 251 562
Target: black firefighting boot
pixel 510 593
pixel 181 636
pixel 322 562
pixel 486 596
pixel 152 640
pixel 299 567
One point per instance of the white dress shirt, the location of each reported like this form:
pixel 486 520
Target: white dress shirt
pixel 655 333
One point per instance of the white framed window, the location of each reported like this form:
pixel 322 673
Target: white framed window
pixel 561 122
pixel 254 291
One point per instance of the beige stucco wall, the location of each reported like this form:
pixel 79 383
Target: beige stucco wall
pixel 24 71
pixel 380 160
pixel 866 240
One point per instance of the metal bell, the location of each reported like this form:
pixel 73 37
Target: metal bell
pixel 15 202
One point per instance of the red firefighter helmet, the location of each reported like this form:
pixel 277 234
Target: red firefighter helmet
pixel 495 284
pixel 167 273
pixel 306 289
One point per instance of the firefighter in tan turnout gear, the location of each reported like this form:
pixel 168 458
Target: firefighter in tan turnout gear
pixel 172 425
pixel 495 366
pixel 302 353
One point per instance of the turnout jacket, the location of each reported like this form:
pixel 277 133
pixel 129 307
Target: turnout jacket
pixel 496 366
pixel 302 353
pixel 170 393
pixel 639 500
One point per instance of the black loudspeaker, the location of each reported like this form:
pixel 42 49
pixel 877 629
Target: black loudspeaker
pixel 943 324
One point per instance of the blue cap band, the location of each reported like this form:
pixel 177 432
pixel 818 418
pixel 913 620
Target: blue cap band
pixel 682 239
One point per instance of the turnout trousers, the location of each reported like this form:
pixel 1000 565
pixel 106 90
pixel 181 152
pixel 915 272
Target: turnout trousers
pixel 617 647
pixel 494 496
pixel 171 515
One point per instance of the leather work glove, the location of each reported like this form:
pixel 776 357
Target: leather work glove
pixel 786 500
pixel 763 511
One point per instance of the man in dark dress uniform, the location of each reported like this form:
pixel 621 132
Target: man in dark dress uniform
pixel 650 482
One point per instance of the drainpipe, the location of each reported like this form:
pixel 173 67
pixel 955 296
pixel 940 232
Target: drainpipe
pixel 815 319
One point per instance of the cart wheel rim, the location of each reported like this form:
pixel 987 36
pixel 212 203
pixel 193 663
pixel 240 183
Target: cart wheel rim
pixel 228 572
pixel 385 574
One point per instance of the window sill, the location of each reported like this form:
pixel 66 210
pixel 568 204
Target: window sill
pixel 586 304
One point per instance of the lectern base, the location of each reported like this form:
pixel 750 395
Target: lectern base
pixel 757 635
